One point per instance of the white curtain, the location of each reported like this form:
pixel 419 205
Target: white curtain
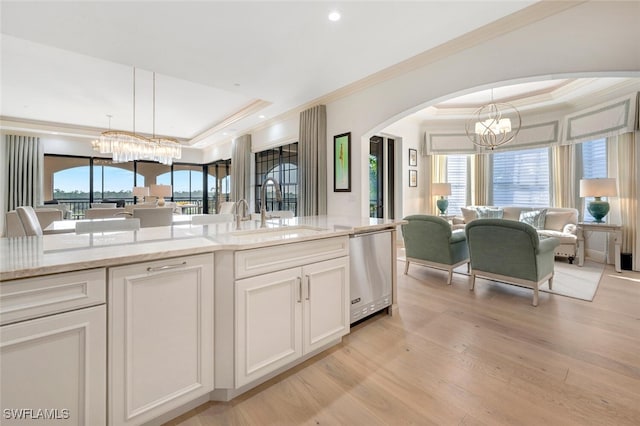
pixel 627 179
pixel 24 158
pixel 241 168
pixel 312 162
pixel 480 179
pixel 563 179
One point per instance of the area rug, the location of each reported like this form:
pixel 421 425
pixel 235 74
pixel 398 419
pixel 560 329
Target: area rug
pixel 569 280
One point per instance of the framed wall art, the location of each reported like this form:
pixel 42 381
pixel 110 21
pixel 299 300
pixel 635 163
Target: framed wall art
pixel 413 157
pixel 413 178
pixel 342 163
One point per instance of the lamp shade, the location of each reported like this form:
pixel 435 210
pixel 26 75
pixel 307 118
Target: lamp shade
pixel 160 190
pixel 600 187
pixel 440 189
pixel 140 191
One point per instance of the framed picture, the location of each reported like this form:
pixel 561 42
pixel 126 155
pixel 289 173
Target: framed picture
pixel 413 157
pixel 342 163
pixel 413 178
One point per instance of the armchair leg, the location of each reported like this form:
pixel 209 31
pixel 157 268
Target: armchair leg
pixel 535 295
pixel 406 267
pixel 473 282
pixel 450 275
pixel 551 283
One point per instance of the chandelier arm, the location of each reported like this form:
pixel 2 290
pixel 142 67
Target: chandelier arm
pixel 488 129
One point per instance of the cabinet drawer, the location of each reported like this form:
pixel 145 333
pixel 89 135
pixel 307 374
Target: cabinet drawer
pixel 268 259
pixel 39 296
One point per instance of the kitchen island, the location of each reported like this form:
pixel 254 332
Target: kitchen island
pixel 190 313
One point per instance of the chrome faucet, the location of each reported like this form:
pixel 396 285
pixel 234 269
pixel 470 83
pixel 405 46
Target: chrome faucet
pixel 238 217
pixel 263 196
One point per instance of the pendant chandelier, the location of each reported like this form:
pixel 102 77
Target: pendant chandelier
pixel 493 125
pixel 129 146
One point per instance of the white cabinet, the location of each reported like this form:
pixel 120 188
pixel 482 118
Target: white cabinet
pixel 53 346
pixel 283 315
pixel 54 369
pixel 160 336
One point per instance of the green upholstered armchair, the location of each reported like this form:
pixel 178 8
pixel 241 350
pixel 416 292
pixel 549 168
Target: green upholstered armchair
pixel 511 252
pixel 429 241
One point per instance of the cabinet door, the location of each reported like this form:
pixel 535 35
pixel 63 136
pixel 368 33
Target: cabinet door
pixel 160 337
pixel 57 363
pixel 326 302
pixel 268 323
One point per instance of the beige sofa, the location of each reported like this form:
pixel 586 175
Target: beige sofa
pixel 560 222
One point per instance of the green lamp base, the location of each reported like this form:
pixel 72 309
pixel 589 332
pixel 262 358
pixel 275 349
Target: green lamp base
pixel 598 209
pixel 442 204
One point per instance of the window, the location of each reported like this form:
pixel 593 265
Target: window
pixel 594 165
pixel 521 178
pixel 112 181
pixel 67 179
pixel 218 184
pixel 457 177
pixel 281 164
pixel 187 186
pixel 79 181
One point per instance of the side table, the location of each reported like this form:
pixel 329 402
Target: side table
pixel 615 230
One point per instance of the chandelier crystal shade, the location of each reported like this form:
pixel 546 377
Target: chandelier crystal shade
pixel 129 146
pixel 493 125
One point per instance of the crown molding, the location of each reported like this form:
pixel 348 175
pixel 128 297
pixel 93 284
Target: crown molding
pixel 247 110
pixel 58 129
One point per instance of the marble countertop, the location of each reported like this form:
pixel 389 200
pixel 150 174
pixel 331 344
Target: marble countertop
pixel 32 256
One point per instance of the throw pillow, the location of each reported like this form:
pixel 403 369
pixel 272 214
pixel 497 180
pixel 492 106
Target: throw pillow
pixel 469 214
pixel 555 221
pixel 489 213
pixel 534 218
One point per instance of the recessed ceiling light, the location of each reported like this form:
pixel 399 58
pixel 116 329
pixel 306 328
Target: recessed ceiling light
pixel 334 16
pixel 261 116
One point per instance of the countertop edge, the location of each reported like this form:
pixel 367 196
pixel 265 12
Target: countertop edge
pixel 210 247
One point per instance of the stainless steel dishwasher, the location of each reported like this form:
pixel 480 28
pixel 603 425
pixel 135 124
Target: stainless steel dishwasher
pixel 370 273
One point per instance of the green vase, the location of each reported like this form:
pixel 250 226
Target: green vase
pixel 442 204
pixel 598 209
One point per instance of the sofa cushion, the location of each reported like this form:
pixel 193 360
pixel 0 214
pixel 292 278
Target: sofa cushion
pixel 563 237
pixel 489 213
pixel 535 218
pixel 512 213
pixel 469 214
pixel 556 221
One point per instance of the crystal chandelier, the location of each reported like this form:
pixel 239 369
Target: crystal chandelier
pixel 128 146
pixel 491 125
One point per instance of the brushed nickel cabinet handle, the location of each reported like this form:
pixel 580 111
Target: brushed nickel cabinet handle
pixel 299 290
pixel 165 267
pixel 308 287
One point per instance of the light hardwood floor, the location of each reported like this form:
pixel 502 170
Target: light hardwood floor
pixel 453 357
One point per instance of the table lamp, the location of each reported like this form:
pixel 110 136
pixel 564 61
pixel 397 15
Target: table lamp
pixel 600 187
pixel 441 189
pixel 161 191
pixel 140 191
